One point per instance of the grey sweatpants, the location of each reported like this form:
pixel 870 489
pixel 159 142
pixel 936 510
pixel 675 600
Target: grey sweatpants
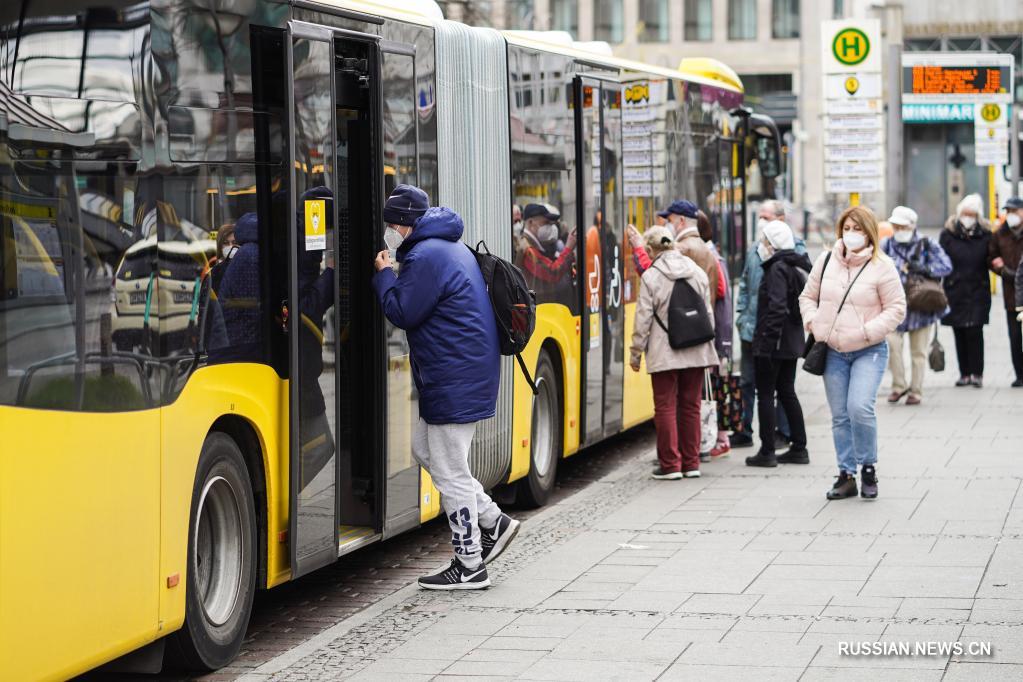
pixel 443 450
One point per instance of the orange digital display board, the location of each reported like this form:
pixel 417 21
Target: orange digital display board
pixel 955 80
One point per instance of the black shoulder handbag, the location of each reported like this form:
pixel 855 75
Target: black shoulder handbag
pixel 815 354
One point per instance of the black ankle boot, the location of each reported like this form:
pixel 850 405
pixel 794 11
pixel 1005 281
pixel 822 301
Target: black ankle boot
pixel 762 459
pixel 868 482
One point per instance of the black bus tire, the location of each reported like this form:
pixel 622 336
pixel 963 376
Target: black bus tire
pixel 220 576
pixel 545 438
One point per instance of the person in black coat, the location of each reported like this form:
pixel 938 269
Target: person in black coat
pixel 778 342
pixel 966 240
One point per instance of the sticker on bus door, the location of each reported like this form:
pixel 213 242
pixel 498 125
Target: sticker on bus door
pixel 315 225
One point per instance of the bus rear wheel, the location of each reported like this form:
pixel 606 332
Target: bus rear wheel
pixel 220 579
pixel 545 440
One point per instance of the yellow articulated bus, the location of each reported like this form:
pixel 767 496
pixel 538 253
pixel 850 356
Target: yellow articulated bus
pixel 182 427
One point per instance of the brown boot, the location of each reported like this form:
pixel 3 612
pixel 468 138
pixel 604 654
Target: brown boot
pixel 845 486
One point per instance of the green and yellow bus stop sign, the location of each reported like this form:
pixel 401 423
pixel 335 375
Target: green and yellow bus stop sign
pixel 850 46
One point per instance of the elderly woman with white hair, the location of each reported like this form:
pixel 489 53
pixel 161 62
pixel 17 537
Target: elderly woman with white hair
pixel 965 239
pixel 676 371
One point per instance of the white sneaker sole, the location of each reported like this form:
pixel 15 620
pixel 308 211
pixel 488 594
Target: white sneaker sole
pixel 503 541
pixel 458 586
pixel 673 476
pixel 691 474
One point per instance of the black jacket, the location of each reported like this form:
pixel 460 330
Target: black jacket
pixel 779 331
pixel 968 287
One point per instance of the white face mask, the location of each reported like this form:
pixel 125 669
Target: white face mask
pixel 761 224
pixel 763 251
pixel 517 228
pixel 228 251
pixel 548 233
pixel 968 221
pixel 903 236
pixel 392 238
pixel 853 241
pixel 1013 220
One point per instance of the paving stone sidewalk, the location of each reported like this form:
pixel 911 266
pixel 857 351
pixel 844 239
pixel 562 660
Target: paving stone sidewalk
pixel 743 572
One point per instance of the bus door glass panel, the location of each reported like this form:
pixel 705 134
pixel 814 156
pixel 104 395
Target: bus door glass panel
pixel 401 166
pixel 591 247
pixel 616 251
pixel 310 305
pixel 724 224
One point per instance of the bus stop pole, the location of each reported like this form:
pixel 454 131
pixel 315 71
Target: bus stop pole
pixel 992 206
pixel 854 199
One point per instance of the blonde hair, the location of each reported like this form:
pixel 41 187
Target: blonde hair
pixel 865 218
pixel 658 240
pixel 971 202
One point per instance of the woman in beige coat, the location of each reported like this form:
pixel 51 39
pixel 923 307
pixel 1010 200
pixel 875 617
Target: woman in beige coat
pixel 676 374
pixel 855 334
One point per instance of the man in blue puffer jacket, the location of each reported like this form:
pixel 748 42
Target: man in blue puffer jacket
pixel 440 299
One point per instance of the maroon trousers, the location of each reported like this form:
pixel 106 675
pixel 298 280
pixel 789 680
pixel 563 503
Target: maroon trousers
pixel 677 417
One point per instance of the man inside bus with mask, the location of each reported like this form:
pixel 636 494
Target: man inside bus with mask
pixel 440 299
pixel 544 265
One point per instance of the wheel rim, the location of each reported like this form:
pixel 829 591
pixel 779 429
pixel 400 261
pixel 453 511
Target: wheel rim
pixel 217 563
pixel 543 428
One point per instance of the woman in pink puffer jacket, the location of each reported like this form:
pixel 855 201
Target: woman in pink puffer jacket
pixel 855 334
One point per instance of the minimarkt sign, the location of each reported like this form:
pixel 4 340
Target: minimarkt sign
pixel 937 113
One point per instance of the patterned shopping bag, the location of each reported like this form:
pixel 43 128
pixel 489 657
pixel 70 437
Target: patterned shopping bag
pixel 728 395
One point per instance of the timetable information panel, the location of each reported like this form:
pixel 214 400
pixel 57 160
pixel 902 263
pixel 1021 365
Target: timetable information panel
pixel 956 80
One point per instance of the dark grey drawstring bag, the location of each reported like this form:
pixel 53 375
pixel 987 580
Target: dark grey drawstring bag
pixel 936 358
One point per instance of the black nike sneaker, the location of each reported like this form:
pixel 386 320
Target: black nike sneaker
pixel 495 540
pixel 457 577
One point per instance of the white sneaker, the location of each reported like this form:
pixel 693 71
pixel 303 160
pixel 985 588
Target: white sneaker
pixel 695 473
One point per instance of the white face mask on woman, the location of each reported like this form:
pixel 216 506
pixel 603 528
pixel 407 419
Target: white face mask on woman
pixel 903 236
pixel 228 251
pixel 968 221
pixel 853 241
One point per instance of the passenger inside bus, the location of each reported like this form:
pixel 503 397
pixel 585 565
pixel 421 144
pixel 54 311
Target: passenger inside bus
pixel 546 266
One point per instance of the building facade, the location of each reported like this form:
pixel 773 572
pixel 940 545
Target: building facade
pixel 774 45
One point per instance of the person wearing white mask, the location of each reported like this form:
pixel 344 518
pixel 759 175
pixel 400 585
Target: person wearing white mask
pixel 746 321
pixel 545 267
pixel 913 255
pixel 852 301
pixel 1004 257
pixel 777 344
pixel 966 239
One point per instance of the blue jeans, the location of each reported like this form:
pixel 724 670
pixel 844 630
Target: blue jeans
pixel 851 381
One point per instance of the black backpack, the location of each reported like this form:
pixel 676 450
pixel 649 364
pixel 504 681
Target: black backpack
pixel 688 322
pixel 513 302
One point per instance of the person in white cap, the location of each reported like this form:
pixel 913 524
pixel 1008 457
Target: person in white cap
pixel 778 343
pixel 913 255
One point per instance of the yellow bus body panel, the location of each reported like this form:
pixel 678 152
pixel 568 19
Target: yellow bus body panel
pixel 556 323
pixel 257 395
pixel 79 539
pixel 94 514
pixel 638 403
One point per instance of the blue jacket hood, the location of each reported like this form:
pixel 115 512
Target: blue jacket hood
pixel 438 222
pixel 246 229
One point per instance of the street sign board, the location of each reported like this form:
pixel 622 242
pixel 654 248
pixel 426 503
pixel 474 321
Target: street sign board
pixel 851 45
pixel 861 85
pixel 853 109
pixel 991 134
pixel 850 185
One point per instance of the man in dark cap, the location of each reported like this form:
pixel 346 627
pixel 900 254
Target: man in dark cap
pixel 682 216
pixel 1005 251
pixel 401 211
pixel 545 268
pixel 440 299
